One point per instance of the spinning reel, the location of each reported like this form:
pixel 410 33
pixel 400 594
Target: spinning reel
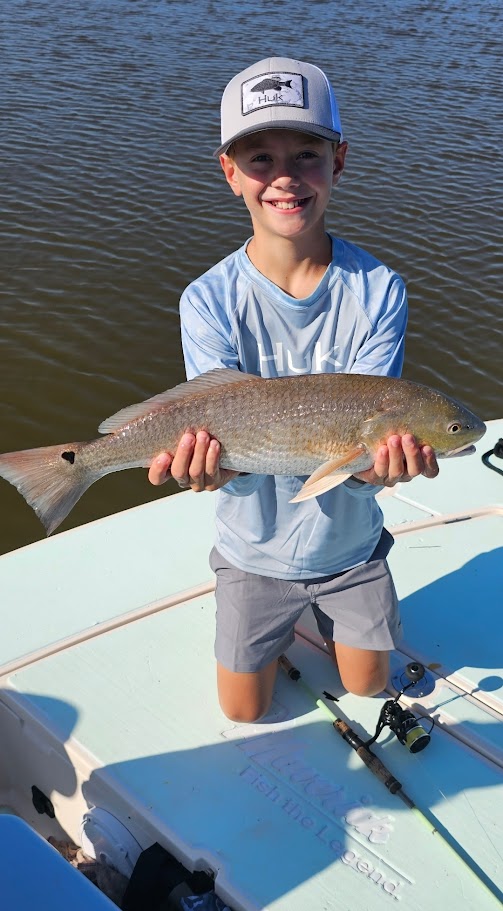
pixel 403 722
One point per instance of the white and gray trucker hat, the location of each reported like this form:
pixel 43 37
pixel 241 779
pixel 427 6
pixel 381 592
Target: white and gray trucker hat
pixel 279 93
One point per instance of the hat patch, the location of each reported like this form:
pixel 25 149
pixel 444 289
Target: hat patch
pixel 272 89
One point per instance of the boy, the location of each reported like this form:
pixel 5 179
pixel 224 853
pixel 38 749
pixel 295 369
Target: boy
pixel 292 300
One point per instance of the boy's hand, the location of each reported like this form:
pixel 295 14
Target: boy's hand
pixel 195 464
pixel 401 459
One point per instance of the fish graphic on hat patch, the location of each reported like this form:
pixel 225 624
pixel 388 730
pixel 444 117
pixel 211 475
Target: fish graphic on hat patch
pixel 274 83
pixel 272 89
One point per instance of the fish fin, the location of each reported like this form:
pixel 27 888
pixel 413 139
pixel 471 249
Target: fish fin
pixel 335 465
pixel 48 480
pixel 213 379
pixel 321 486
pixel 328 475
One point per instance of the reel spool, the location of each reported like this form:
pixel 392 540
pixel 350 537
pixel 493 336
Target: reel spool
pixel 405 726
pixel 402 722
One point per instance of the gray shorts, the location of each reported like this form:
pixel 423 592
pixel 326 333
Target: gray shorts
pixel 256 614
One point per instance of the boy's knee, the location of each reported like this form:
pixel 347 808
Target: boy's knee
pixel 244 714
pixel 371 688
pixel 246 697
pixel 362 673
pixel 242 717
pixel 367 685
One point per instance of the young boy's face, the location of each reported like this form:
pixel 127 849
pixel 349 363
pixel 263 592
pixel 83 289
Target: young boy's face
pixel 285 178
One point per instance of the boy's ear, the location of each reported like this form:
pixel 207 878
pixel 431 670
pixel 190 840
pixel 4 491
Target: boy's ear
pixel 339 160
pixel 229 169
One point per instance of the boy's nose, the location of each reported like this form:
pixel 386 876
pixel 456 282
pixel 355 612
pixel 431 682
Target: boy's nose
pixel 285 178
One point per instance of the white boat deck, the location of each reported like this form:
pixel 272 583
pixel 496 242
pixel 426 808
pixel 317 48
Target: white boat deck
pixel 108 699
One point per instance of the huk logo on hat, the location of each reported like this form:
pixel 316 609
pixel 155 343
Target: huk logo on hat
pixel 272 89
pixel 278 93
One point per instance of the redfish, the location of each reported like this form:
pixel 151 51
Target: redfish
pixel 326 426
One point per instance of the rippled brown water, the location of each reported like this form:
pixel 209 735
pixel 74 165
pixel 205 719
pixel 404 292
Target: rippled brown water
pixel 111 202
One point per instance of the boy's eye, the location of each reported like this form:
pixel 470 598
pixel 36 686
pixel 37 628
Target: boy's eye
pixel 308 154
pixel 261 157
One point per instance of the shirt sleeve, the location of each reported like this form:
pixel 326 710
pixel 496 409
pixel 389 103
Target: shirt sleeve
pixel 359 488
pixel 382 353
pixel 207 335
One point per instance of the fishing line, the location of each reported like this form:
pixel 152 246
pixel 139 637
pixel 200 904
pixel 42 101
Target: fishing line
pixel 384 775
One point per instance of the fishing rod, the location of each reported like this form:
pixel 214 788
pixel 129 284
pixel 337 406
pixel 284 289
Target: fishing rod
pixel 377 767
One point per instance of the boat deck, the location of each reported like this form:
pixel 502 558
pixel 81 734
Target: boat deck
pixel 108 700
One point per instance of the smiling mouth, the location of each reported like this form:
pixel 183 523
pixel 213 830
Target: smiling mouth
pixel 287 204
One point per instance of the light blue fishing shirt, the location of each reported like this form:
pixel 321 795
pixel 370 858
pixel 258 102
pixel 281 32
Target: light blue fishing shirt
pixel 354 322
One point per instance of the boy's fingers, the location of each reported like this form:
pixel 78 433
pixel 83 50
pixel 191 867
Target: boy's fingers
pixel 401 459
pixel 381 465
pixel 410 458
pixel 431 468
pixel 198 467
pixel 196 463
pixel 212 461
pixel 182 459
pixel 159 472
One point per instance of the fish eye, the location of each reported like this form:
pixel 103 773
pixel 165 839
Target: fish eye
pixel 455 427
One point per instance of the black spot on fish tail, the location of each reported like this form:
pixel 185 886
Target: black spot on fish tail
pixel 50 488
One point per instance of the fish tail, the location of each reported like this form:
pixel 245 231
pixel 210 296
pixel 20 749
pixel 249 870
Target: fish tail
pixel 50 479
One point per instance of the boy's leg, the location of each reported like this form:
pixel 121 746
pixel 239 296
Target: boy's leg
pixel 254 625
pixel 360 606
pixel 246 697
pixel 362 671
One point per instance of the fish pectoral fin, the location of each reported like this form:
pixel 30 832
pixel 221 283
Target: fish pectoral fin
pixel 328 475
pixel 332 465
pixel 315 490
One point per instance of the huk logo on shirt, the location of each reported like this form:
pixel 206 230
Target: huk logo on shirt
pixel 272 89
pixel 287 362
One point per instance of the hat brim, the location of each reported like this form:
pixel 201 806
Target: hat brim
pixel 312 129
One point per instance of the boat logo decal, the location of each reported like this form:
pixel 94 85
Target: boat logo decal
pixel 349 827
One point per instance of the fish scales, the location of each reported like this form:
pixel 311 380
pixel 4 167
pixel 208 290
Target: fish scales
pixel 326 426
pixel 281 427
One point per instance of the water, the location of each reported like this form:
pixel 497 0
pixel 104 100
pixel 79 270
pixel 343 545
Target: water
pixel 111 202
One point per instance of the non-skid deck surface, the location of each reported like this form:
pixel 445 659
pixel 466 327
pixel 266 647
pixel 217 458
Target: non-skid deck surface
pixel 284 811
pixel 449 578
pixel 78 580
pixel 449 581
pixel 451 593
pixel 75 581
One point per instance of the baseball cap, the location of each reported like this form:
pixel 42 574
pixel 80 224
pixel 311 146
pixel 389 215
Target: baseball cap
pixel 279 93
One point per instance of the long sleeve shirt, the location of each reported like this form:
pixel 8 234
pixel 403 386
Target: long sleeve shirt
pixel 354 322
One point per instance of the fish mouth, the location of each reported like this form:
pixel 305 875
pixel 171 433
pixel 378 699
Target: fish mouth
pixel 462 451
